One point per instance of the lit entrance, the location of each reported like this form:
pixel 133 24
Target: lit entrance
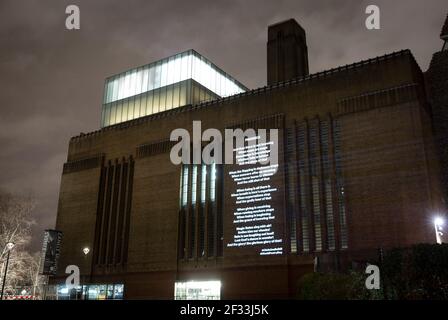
pixel 197 290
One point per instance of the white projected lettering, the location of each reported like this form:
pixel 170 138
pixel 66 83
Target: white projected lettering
pixel 252 153
pixel 254 214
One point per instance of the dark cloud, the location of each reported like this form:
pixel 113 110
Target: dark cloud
pixel 51 79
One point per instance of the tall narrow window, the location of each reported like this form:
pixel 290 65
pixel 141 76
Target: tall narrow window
pixel 340 184
pixel 302 145
pixel 293 231
pixel 192 212
pixel 185 186
pixel 314 161
pixel 321 186
pixel 213 182
pixel 316 213
pixel 200 211
pixel 290 178
pixel 201 221
pixel 113 213
pixel 328 196
pixel 203 182
pixel 181 187
pixel 211 214
pixel 194 179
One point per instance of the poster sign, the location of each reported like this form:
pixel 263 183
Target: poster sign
pixel 50 252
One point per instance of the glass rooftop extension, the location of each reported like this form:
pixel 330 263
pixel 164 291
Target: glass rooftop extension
pixel 185 78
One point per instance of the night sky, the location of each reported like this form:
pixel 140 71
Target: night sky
pixel 51 79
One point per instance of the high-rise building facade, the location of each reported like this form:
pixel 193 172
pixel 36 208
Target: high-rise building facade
pixel 358 169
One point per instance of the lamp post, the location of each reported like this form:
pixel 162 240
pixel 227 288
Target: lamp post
pixel 438 226
pixel 9 246
pixel 86 251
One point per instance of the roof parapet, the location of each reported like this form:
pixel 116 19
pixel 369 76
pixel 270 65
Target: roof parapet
pixel 261 90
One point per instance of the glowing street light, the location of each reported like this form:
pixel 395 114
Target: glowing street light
pixel 86 251
pixel 9 246
pixel 439 221
pixel 438 226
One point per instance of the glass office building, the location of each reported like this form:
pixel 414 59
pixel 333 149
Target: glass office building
pixel 182 79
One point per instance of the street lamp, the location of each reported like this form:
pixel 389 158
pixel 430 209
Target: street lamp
pixel 438 226
pixel 9 246
pixel 86 251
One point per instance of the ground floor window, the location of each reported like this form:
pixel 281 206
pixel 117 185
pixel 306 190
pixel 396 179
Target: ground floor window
pixel 91 292
pixel 197 290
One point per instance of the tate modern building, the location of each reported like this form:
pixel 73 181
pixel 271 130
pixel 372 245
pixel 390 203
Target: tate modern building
pixel 360 167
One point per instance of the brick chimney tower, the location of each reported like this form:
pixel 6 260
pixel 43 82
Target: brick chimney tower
pixel 437 91
pixel 287 52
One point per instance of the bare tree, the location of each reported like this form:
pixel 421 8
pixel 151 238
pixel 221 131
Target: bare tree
pixel 15 226
pixel 36 280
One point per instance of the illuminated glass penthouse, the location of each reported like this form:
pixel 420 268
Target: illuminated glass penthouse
pixel 182 79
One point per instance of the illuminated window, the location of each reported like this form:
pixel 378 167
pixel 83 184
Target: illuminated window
pixel 197 221
pixel 203 182
pixel 197 290
pixel 208 82
pixel 194 180
pixel 213 182
pixel 91 292
pixel 185 186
